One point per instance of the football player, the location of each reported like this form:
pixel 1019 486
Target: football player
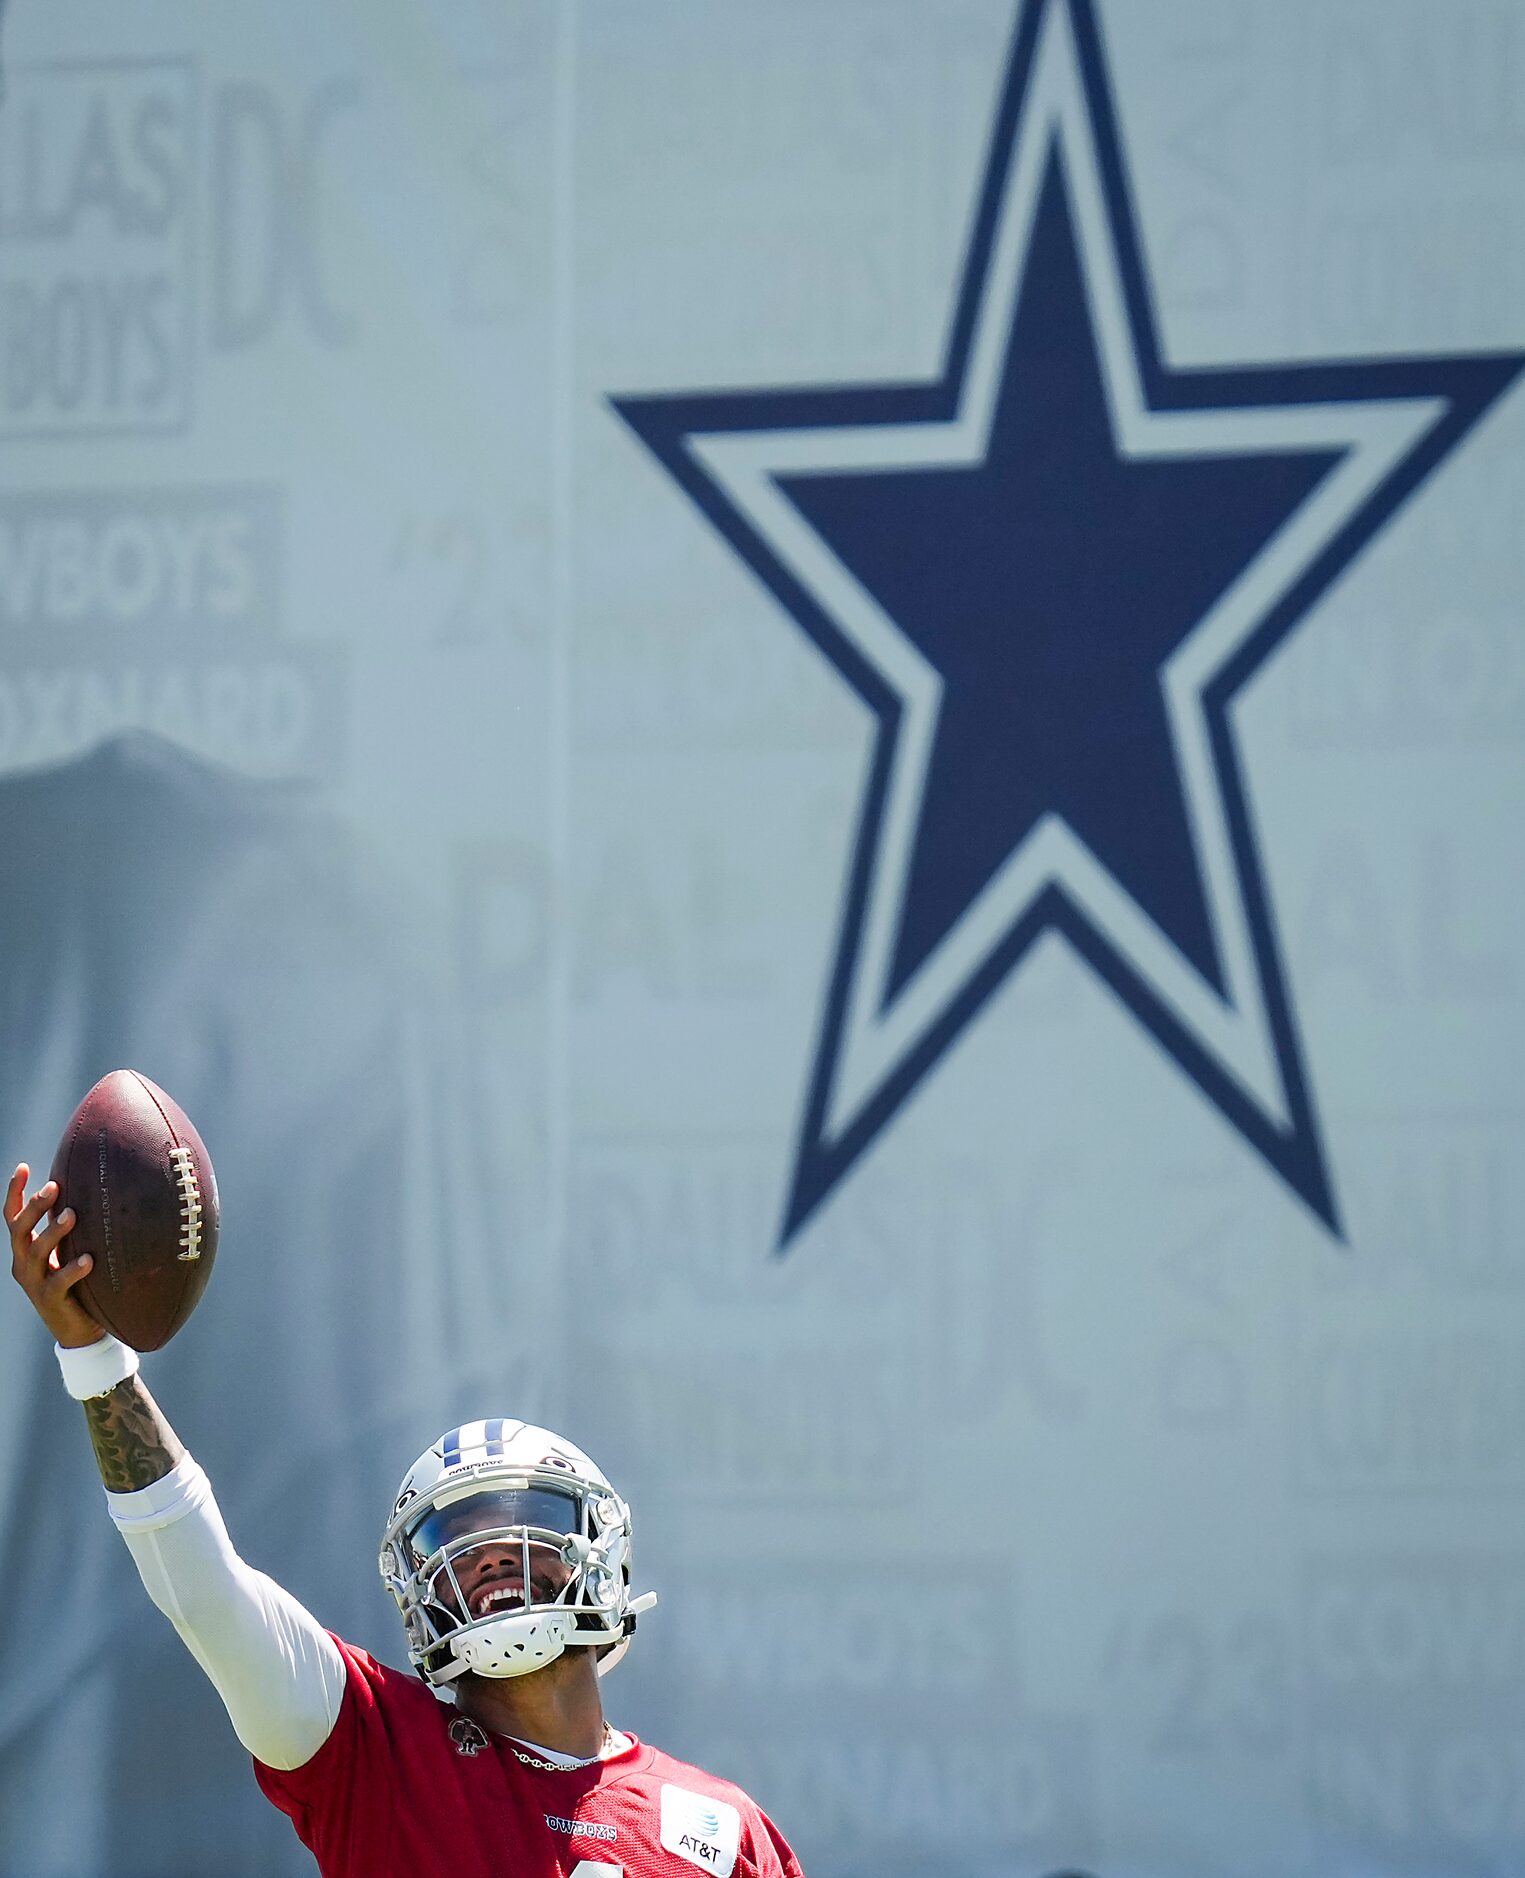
pixel 508 1554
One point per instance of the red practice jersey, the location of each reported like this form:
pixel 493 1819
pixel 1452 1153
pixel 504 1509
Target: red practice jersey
pixel 405 1787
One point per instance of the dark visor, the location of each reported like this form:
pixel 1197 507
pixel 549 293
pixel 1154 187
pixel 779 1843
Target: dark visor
pixel 493 1511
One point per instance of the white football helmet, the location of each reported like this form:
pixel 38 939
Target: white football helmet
pixel 506 1546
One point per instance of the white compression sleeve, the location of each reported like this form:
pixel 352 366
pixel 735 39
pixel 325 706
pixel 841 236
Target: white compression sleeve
pixel 279 1673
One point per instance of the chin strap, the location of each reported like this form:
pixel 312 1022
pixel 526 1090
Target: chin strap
pixel 612 1654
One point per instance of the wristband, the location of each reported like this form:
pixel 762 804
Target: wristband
pixel 96 1368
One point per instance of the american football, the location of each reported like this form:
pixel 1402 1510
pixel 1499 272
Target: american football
pixel 134 1169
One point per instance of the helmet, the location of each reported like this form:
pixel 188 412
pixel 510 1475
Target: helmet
pixel 506 1546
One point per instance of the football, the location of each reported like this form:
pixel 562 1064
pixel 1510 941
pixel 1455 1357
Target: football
pixel 145 1207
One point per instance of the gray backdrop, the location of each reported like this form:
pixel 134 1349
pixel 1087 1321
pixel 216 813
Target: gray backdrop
pixel 408 771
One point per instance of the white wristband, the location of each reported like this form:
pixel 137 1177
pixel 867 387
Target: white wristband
pixel 96 1368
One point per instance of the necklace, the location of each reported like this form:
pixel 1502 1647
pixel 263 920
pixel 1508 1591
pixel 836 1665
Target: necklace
pixel 564 1766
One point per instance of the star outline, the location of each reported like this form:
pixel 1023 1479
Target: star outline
pixel 1413 412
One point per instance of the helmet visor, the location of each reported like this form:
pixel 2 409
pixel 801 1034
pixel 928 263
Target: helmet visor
pixel 495 1510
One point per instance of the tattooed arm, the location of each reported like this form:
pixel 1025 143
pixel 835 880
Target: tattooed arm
pixel 134 1445
pixel 279 1673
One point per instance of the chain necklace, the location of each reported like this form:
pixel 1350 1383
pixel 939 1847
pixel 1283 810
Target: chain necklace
pixel 560 1767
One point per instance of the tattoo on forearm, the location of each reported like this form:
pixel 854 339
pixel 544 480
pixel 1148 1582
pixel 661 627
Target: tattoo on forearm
pixel 134 1445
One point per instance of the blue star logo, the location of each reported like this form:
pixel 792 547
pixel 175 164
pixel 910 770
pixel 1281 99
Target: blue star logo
pixel 1048 575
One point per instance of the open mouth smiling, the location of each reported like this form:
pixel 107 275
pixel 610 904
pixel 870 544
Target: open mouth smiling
pixel 495 1598
pixel 507 1594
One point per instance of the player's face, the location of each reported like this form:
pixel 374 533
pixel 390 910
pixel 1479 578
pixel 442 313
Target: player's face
pixel 494 1576
pixel 491 1577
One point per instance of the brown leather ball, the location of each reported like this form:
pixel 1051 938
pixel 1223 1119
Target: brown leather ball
pixel 145 1203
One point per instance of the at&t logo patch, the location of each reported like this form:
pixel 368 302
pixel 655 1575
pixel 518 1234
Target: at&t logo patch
pixel 702 1830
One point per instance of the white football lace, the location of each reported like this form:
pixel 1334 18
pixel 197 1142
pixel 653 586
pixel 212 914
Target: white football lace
pixel 184 1164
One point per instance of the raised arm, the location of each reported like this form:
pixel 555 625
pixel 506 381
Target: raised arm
pixel 280 1675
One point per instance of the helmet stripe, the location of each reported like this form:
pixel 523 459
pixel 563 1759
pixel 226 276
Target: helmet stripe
pixel 488 1438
